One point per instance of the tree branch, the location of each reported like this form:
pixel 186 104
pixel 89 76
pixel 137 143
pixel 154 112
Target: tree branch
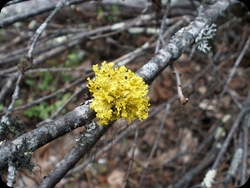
pixel 84 144
pixel 182 39
pixel 50 131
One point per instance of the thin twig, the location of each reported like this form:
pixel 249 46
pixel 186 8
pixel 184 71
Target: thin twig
pixel 77 92
pixel 235 163
pixel 132 157
pixel 48 49
pixel 7 86
pixel 133 54
pixel 236 64
pixel 182 98
pixel 46 97
pixel 208 141
pixel 14 96
pixel 159 132
pixel 149 44
pixel 57 69
pixel 189 175
pixel 42 27
pixel 162 28
pixel 233 95
pixel 245 127
pixel 229 137
pixel 119 27
pixel 14 2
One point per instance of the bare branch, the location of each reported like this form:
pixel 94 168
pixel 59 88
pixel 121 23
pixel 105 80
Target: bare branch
pixel 237 62
pixel 5 119
pixel 184 181
pixel 182 39
pixel 83 146
pixel 42 27
pixel 162 29
pixel 235 163
pixel 245 127
pixel 132 157
pixel 10 20
pixel 229 137
pixel 159 132
pixel 44 134
pixel 182 98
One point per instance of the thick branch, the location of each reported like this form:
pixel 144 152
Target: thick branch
pixel 48 132
pixel 10 20
pixel 84 144
pixel 182 39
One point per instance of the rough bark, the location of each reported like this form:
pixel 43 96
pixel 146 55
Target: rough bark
pixel 44 134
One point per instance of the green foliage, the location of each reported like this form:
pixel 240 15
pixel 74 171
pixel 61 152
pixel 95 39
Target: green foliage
pixel 18 102
pixel 113 12
pixel 101 13
pixel 49 82
pixel 45 110
pixel 42 111
pixel 1 107
pixel 73 59
pixel 46 84
pixel 67 77
pixel 29 82
pixel 45 81
pixel 62 101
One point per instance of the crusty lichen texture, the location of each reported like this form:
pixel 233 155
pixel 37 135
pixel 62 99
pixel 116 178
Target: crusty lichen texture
pixel 118 93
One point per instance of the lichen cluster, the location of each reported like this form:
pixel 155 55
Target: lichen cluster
pixel 118 93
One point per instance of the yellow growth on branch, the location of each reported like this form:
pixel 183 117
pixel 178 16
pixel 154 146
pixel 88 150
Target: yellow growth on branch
pixel 118 93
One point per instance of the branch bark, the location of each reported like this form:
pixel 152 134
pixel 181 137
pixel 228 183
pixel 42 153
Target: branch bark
pixel 182 39
pixel 84 144
pixel 40 136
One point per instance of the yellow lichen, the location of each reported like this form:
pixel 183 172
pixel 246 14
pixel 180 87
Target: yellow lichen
pixel 118 93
